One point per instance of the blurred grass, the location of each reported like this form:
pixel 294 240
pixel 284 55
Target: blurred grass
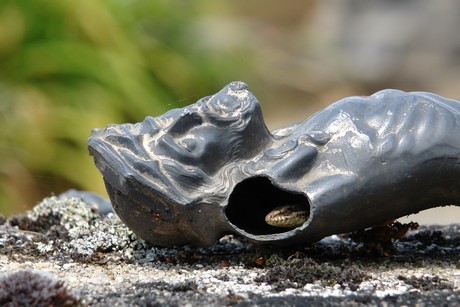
pixel 68 66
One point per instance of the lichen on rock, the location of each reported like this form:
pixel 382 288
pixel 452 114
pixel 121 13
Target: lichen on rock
pixel 74 228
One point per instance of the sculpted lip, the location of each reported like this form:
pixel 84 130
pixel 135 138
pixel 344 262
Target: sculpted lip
pixel 213 168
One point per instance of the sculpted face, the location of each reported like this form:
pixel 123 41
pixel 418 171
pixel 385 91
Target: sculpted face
pixel 211 132
pixel 192 142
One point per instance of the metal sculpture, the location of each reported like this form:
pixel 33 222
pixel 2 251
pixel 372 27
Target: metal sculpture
pixel 212 168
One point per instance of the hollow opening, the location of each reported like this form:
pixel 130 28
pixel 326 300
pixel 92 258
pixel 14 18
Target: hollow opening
pixel 252 199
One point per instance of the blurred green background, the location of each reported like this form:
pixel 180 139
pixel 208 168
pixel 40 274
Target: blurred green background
pixel 67 66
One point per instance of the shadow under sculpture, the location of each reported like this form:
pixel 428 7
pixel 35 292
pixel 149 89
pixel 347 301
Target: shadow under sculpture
pixel 212 168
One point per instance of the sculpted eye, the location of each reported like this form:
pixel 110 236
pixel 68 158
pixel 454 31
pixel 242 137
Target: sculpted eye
pixel 185 122
pixel 188 144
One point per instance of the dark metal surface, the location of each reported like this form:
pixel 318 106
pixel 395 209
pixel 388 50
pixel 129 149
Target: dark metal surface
pixel 194 174
pixel 95 201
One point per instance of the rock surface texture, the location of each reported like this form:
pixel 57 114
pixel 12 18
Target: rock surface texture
pixel 78 255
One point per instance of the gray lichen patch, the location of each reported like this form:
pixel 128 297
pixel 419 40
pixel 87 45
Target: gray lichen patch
pixel 70 227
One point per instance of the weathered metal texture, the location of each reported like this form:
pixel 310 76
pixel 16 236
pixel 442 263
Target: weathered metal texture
pixel 213 168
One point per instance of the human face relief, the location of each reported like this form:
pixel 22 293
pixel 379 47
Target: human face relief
pixel 205 135
pixel 186 136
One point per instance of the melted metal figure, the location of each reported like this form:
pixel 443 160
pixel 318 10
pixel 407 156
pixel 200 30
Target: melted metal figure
pixel 212 168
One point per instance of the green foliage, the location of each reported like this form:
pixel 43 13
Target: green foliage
pixel 67 66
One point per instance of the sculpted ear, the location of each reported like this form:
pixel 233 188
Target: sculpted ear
pixel 296 163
